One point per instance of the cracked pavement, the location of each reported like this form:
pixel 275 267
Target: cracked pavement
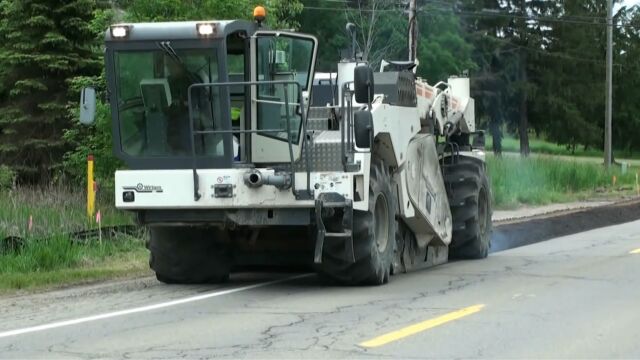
pixel 572 297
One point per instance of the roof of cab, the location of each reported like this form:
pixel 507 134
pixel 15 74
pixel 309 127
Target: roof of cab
pixel 180 30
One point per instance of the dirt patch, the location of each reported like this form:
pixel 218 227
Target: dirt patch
pixel 531 231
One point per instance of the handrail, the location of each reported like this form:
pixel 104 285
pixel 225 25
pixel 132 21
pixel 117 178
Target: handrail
pixel 285 83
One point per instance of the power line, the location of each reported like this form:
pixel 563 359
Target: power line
pixel 476 14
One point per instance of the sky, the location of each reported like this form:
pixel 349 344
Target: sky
pixel 631 2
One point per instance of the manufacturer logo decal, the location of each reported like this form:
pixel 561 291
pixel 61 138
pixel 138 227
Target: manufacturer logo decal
pixel 142 188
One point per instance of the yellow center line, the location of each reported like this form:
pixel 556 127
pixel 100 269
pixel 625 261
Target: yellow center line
pixel 422 326
pixel 636 251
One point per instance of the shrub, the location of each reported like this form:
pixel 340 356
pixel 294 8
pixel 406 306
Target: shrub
pixel 7 178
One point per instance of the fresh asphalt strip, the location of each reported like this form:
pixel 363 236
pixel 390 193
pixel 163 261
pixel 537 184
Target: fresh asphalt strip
pixel 531 231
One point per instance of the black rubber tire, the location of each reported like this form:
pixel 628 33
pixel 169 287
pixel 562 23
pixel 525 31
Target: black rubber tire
pixel 469 196
pixel 189 255
pixel 373 261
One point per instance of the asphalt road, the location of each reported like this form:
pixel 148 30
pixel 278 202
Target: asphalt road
pixel 571 297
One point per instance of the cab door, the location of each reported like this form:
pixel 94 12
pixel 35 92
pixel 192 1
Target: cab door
pixel 278 108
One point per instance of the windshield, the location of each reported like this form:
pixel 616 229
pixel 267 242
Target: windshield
pixel 152 97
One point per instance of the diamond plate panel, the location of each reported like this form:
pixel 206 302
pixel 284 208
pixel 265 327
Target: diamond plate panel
pixel 324 154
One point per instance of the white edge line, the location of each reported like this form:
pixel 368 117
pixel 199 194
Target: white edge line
pixel 143 308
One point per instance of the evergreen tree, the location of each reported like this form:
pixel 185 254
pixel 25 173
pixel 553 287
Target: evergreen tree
pixel 43 45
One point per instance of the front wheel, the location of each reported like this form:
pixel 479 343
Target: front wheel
pixel 373 237
pixel 189 255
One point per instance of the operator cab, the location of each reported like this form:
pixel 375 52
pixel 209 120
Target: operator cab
pixel 214 94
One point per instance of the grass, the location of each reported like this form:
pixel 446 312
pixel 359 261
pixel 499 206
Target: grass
pixel 50 257
pixel 59 261
pixel 541 146
pixel 537 181
pixel 54 210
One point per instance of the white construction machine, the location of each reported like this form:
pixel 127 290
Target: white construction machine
pixel 230 166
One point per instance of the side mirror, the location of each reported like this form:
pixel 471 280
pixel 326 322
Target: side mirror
pixel 363 129
pixel 88 106
pixel 363 84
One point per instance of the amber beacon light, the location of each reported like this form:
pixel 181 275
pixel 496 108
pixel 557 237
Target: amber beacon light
pixel 259 14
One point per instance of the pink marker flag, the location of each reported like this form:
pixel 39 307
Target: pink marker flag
pixel 99 221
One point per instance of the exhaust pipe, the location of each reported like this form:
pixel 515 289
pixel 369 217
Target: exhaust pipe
pixel 255 179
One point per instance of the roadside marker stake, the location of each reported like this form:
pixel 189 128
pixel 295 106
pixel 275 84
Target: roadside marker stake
pixel 420 327
pixel 91 194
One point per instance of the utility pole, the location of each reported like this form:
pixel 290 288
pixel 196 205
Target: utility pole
pixel 413 30
pixel 608 155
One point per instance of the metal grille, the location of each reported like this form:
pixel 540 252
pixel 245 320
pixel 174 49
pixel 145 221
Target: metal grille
pixel 325 152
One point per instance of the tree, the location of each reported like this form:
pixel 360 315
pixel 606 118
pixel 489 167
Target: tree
pixel 326 21
pixel 43 44
pixel 368 15
pixel 443 50
pixel 179 10
pixel 280 13
pixel 284 13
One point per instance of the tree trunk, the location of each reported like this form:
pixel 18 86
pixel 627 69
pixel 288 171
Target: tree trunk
pixel 496 134
pixel 523 124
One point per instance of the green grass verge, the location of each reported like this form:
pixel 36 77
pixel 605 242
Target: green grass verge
pixel 50 257
pixel 59 261
pixel 541 146
pixel 537 181
pixel 54 210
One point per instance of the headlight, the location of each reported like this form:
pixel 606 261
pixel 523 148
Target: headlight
pixel 206 29
pixel 120 31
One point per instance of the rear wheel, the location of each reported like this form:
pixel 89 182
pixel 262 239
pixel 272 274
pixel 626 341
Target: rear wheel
pixel 189 255
pixel 470 201
pixel 373 237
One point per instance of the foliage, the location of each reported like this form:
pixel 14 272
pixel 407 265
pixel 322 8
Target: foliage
pixel 443 50
pixel 95 140
pixel 328 25
pixel 381 27
pixel 43 44
pixel 542 69
pixel 283 14
pixel 7 177
pixel 280 13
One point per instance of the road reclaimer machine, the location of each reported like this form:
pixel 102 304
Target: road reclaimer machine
pixel 229 166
